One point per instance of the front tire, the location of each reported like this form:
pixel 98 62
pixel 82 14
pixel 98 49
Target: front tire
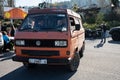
pixel 82 50
pixel 73 65
pixel 1 50
pixel 115 36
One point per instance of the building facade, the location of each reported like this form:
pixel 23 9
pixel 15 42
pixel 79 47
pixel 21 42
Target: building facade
pixel 6 3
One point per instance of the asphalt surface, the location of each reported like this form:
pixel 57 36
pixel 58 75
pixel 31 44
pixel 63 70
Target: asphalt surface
pixel 100 62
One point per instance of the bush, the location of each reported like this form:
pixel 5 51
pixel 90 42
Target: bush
pixel 90 26
pixel 111 24
pixel 100 18
pixel 90 20
pixel 94 20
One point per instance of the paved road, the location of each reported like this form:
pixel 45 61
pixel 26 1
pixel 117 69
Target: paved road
pixel 100 62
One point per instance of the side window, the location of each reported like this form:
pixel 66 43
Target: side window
pixel 77 24
pixel 77 21
pixel 81 25
pixel 72 22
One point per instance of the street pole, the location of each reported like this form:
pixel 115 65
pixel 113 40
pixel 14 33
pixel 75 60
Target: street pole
pixel 112 10
pixel 1 7
pixel 13 3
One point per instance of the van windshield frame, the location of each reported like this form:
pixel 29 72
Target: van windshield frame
pixel 45 22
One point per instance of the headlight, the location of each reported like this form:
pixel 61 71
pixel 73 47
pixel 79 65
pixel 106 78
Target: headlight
pixel 61 43
pixel 20 42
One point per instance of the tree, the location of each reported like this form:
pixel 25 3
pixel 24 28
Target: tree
pixel 75 7
pixel 100 18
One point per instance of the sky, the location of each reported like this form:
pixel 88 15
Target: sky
pixel 33 2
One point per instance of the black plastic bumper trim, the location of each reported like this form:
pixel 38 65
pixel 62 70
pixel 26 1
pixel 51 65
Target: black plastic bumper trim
pixel 49 60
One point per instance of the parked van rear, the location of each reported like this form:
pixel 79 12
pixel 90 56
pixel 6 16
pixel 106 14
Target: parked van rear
pixel 50 37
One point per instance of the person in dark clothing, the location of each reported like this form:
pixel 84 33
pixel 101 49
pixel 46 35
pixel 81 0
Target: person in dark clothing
pixel 3 27
pixel 103 32
pixel 12 31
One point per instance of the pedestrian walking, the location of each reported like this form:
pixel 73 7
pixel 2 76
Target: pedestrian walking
pixel 103 32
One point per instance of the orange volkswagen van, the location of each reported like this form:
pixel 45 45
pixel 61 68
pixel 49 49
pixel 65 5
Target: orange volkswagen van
pixel 50 37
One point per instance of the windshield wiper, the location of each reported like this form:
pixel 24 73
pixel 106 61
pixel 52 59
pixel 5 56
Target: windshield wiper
pixel 47 29
pixel 29 29
pixel 35 30
pixel 52 29
pixel 23 29
pixel 59 29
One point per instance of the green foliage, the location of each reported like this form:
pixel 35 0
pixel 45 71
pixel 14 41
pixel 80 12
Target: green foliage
pixel 17 23
pixel 90 26
pixel 90 19
pixel 91 16
pixel 100 18
pixel 75 7
pixel 111 24
pixel 94 20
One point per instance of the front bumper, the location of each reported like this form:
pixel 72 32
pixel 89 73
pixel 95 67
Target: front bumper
pixel 50 61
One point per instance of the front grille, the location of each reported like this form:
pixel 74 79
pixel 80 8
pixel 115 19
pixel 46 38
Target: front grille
pixel 40 53
pixel 43 43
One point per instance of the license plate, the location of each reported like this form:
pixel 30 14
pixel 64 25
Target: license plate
pixel 38 61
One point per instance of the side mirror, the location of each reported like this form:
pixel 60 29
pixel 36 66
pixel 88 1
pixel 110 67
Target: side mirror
pixel 77 26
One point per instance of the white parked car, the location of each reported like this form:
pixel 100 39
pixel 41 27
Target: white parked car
pixel 115 33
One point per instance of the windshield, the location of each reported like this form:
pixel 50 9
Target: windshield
pixel 45 22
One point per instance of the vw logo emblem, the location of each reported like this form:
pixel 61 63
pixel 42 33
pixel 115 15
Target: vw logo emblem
pixel 38 43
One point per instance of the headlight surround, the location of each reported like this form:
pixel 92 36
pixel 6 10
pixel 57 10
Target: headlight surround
pixel 61 43
pixel 20 42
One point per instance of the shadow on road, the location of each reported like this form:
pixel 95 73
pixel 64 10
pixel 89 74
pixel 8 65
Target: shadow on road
pixel 114 42
pixel 39 73
pixel 99 45
pixel 6 56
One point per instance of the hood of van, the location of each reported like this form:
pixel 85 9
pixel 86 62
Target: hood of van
pixel 41 35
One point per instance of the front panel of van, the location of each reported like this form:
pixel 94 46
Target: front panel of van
pixel 42 44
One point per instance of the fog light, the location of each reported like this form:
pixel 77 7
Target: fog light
pixel 68 53
pixel 69 59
